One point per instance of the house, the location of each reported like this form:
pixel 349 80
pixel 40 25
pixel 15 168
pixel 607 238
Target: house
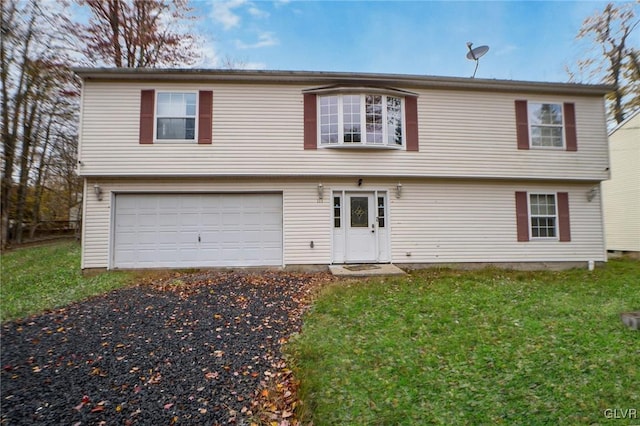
pixel 210 168
pixel 621 194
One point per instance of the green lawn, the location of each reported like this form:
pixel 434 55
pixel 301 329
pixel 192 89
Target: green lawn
pixel 35 279
pixel 483 347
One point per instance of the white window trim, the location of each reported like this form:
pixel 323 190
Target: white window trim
pixel 557 230
pixel 155 118
pixel 361 145
pixel 553 148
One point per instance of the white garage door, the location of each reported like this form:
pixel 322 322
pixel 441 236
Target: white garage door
pixel 197 230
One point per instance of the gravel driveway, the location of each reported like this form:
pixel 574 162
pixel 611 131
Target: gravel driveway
pixel 187 348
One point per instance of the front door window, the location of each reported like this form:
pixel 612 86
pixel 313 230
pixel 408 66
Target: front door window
pixel 359 212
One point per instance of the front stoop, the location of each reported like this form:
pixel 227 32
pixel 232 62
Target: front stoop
pixel 631 319
pixel 365 270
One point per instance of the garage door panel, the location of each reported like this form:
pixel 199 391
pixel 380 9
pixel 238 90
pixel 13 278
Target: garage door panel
pixel 162 230
pixel 274 254
pixel 271 221
pixel 188 255
pixel 168 219
pixel 252 254
pixel 230 219
pixel 147 238
pixel 187 202
pixel 230 254
pixel 271 235
pixel 127 220
pixel 252 237
pixel 129 203
pixel 212 203
pixel 210 253
pixel 210 219
pixel 253 219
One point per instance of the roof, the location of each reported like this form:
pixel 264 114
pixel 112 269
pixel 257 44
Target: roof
pixel 337 78
pixel 625 121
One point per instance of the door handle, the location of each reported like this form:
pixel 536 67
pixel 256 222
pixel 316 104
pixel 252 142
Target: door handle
pixel 373 227
pixel 198 237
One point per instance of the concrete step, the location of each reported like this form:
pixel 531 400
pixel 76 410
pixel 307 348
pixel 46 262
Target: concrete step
pixel 365 270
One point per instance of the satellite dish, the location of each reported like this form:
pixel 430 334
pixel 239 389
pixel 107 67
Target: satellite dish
pixel 475 54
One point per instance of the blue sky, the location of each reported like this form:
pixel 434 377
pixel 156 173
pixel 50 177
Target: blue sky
pixel 531 40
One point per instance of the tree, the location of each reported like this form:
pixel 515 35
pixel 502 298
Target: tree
pixel 38 97
pixel 137 33
pixel 618 61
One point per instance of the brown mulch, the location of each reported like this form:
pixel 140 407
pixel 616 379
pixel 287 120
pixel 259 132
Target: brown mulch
pixel 188 348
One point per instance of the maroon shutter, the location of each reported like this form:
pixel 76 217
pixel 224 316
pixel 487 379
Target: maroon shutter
pixel 570 127
pixel 310 121
pixel 411 112
pixel 146 116
pixel 205 114
pixel 522 216
pixel 563 216
pixel 522 125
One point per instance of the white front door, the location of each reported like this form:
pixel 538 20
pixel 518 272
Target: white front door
pixel 361 230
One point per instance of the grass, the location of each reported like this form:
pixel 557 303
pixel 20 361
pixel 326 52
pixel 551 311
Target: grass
pixel 48 277
pixel 483 347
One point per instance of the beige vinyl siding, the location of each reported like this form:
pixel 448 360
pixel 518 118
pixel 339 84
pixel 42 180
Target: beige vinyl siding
pixel 621 194
pixel 258 130
pixel 435 220
pixel 464 221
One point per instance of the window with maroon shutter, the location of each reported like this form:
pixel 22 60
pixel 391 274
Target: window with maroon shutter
pixel 543 216
pixel 545 125
pixel 169 116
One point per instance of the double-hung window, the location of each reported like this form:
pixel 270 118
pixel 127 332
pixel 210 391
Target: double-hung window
pixel 544 215
pixel 546 125
pixel 361 120
pixel 176 116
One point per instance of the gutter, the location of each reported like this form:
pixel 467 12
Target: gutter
pixel 320 78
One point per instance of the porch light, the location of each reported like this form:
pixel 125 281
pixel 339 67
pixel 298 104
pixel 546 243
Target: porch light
pixel 98 191
pixel 320 191
pixel 591 194
pixel 398 190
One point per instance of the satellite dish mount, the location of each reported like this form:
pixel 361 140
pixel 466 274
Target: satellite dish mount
pixel 475 55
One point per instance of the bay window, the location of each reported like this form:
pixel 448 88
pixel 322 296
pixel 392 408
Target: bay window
pixel 361 120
